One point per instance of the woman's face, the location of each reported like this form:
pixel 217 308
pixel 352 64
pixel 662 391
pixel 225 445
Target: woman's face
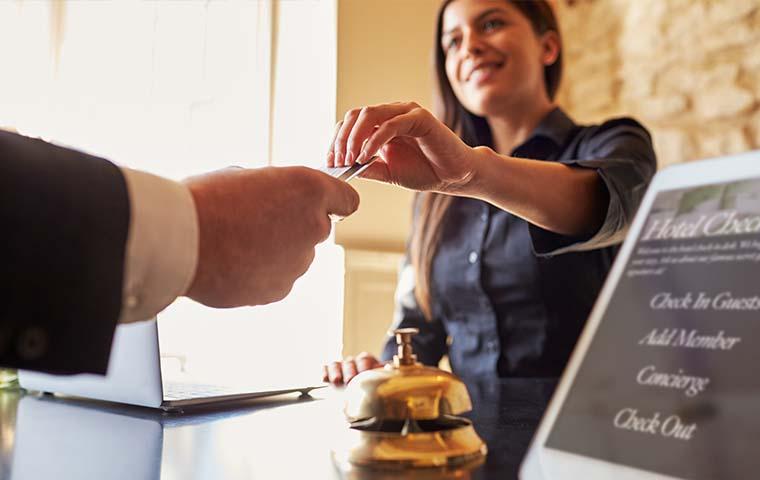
pixel 494 59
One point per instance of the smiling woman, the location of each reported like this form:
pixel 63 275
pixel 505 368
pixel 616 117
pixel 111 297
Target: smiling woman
pixel 506 74
pixel 519 211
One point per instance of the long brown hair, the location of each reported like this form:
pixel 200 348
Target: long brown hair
pixel 430 207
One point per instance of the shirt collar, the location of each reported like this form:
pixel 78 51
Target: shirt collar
pixel 547 138
pixel 556 126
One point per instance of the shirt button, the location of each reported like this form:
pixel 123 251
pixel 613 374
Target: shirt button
pixel 484 217
pixel 473 257
pixel 492 345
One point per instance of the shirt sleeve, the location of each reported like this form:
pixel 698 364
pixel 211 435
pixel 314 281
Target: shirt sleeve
pixel 430 344
pixel 162 245
pixel 621 152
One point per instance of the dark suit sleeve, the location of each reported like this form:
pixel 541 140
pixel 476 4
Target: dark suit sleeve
pixel 64 217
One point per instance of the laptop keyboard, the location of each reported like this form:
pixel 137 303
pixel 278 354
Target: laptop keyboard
pixel 186 391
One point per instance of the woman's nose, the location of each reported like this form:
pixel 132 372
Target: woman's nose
pixel 472 44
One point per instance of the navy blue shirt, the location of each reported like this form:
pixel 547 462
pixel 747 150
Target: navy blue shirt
pixel 510 298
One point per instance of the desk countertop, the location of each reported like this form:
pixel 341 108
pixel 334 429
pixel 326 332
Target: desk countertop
pixel 285 437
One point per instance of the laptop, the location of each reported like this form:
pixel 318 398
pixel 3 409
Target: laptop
pixel 663 382
pixel 134 377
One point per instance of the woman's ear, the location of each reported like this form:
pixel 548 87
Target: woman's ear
pixel 550 47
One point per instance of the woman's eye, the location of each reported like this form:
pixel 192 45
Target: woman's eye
pixel 453 43
pixel 493 24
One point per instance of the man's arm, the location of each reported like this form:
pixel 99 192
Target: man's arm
pixel 64 217
pixel 71 249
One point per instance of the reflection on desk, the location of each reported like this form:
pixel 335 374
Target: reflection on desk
pixel 284 437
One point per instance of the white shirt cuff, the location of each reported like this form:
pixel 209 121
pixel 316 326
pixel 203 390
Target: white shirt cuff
pixel 162 245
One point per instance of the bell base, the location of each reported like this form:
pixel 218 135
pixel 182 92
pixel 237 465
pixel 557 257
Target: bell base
pixel 449 449
pixel 354 472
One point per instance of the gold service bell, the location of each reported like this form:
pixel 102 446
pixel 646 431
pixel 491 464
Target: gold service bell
pixel 403 415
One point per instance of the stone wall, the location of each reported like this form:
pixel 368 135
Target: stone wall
pixel 688 69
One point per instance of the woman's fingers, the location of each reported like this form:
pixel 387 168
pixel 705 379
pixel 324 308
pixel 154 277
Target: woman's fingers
pixel 335 373
pixel 365 361
pixel 358 125
pixel 341 158
pixel 368 120
pixel 414 123
pixel 331 151
pixel 349 369
pixel 340 373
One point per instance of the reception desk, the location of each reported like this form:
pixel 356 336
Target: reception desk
pixel 285 437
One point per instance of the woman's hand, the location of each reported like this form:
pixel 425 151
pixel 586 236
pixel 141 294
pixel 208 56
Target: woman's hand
pixel 418 152
pixel 340 373
pixel 414 149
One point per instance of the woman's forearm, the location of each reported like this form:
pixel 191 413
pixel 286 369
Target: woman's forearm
pixel 556 197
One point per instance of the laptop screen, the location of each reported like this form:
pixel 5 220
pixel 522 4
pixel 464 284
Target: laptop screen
pixel 670 378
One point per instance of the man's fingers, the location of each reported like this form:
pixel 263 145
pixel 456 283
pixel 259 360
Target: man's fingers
pixel 341 199
pixel 306 262
pixel 377 171
pixel 322 228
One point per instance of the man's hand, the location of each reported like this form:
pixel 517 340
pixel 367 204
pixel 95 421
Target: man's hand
pixel 258 229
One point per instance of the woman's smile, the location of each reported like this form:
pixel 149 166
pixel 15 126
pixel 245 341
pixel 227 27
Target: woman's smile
pixel 482 72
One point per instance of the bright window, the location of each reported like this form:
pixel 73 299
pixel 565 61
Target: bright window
pixel 181 87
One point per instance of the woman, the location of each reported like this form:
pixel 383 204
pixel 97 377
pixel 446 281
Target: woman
pixel 520 209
